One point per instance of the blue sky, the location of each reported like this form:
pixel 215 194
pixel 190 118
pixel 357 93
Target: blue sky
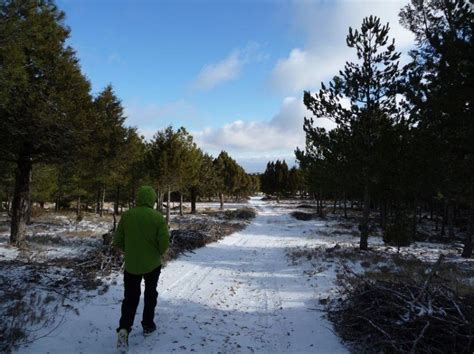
pixel 231 72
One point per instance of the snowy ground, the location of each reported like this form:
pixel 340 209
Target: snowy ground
pixel 261 290
pixel 237 295
pixel 63 235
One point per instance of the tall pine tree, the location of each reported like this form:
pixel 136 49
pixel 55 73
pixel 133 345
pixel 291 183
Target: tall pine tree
pixel 44 98
pixel 439 91
pixel 370 85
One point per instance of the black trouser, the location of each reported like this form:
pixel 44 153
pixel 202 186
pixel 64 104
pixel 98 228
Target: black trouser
pixel 132 284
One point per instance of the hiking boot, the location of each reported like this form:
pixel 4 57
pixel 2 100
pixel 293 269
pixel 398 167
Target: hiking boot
pixel 147 330
pixel 122 340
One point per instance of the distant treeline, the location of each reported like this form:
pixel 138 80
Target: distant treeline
pixel 280 181
pixel 404 142
pixel 61 144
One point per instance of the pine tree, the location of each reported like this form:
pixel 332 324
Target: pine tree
pixel 371 86
pixel 172 159
pixel 268 179
pixel 439 93
pixel 207 181
pixel 43 186
pixel 295 181
pixel 109 138
pixel 44 98
pixel 231 174
pixel 133 170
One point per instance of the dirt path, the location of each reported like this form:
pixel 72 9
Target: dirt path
pixel 237 295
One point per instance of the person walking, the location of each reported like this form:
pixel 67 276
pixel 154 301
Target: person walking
pixel 142 234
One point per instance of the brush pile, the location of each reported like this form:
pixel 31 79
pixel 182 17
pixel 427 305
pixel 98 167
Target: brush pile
pixel 404 315
pixel 182 241
pixel 299 215
pixel 240 214
pixel 190 237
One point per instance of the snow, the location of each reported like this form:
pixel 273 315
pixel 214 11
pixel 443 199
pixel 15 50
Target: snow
pixel 262 290
pixel 8 253
pixel 236 295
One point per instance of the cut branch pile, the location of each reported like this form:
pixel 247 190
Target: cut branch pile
pixel 182 241
pixel 100 262
pixel 299 215
pixel 199 231
pixel 198 235
pixel 404 316
pixel 240 214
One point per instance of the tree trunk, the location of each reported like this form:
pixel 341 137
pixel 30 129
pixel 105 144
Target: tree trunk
pixel 467 249
pixel 445 217
pixel 320 202
pixel 382 214
pixel 180 203
pixel 78 205
pixel 193 200
pixel 316 198
pixel 451 220
pixel 20 203
pixel 8 204
pixel 415 224
pixel 57 203
pixel 133 198
pixel 345 205
pixel 117 200
pixel 30 207
pixel 221 199
pixel 97 209
pixel 168 206
pixel 102 202
pixel 115 222
pixel 318 205
pixel 364 227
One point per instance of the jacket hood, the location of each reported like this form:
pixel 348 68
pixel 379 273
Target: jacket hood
pixel 146 196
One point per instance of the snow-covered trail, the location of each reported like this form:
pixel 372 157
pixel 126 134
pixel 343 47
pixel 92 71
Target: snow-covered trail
pixel 237 295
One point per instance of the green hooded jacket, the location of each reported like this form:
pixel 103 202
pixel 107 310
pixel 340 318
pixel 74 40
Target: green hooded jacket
pixel 142 234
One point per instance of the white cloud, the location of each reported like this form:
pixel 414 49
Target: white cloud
pixel 306 69
pixel 152 117
pixel 212 75
pixel 324 29
pixel 228 69
pixel 276 137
